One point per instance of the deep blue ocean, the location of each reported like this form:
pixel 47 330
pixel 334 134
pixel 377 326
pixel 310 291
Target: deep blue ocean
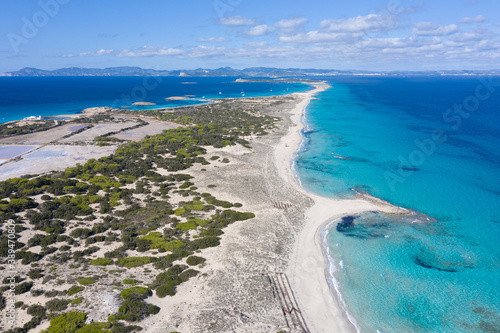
pixel 22 97
pixel 431 145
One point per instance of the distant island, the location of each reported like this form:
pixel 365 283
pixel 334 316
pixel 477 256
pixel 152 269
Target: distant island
pixel 252 72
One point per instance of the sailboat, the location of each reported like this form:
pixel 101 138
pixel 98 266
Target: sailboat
pixel 242 93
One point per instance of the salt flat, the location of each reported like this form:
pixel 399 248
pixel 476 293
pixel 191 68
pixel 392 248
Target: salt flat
pixel 98 130
pixel 51 158
pixel 8 152
pixel 154 127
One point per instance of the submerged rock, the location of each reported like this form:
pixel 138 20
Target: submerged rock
pixel 410 168
pixel 433 261
pixel 346 224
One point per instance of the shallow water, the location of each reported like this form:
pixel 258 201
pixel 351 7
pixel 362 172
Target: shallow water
pixel 397 276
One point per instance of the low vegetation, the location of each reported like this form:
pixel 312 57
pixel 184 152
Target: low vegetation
pixel 123 200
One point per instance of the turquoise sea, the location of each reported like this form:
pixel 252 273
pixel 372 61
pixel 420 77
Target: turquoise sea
pixel 429 144
pixel 22 97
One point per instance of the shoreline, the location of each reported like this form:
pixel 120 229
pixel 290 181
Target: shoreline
pixel 232 287
pixel 323 310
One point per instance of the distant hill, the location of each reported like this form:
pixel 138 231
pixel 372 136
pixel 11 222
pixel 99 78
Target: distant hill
pixel 226 71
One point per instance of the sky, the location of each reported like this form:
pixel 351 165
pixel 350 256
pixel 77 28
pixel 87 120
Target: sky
pixel 379 35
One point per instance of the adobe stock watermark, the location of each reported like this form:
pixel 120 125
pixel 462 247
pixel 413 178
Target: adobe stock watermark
pixel 139 92
pixel 223 6
pixel 452 117
pixel 31 25
pixel 10 272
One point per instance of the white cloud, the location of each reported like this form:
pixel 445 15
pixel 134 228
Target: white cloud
pixel 430 29
pixel 477 19
pixel 236 21
pixel 290 25
pixel 396 43
pixel 204 52
pixel 320 37
pixel 341 42
pixel 100 52
pixel 259 30
pixel 150 51
pixel 213 40
pixel 368 23
pixel 256 44
pixel 467 37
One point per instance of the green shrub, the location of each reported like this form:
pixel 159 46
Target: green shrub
pixel 101 262
pixel 77 300
pixel 159 242
pixel 186 185
pixel 28 257
pixel 81 233
pixel 95 328
pixel 36 310
pixel 187 274
pixel 166 289
pixel 187 226
pixel 130 281
pixel 35 274
pixel 135 261
pixel 134 309
pixel 179 211
pixel 165 283
pixel 194 260
pixel 57 305
pixel 153 309
pixel 53 293
pixel 205 242
pixel 141 292
pixel 23 288
pixel 67 323
pixel 37 292
pixel 87 281
pixel 74 290
pixel 15 279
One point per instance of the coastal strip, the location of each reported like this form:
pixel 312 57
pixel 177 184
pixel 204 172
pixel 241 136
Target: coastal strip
pixel 267 272
pixel 307 267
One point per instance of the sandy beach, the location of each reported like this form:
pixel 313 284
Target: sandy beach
pixel 306 270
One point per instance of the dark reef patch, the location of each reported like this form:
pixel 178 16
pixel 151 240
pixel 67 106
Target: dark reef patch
pixel 431 260
pixel 346 224
pixel 364 229
pixel 410 168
